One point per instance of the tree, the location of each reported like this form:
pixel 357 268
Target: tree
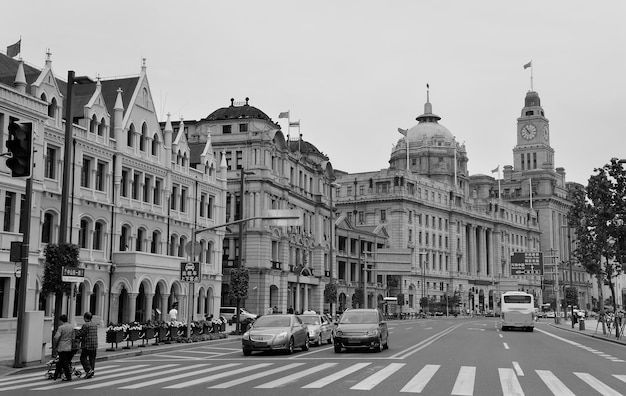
pixel 598 217
pixel 57 257
pixel 571 296
pixel 424 303
pixel 358 298
pixel 330 294
pixel 239 278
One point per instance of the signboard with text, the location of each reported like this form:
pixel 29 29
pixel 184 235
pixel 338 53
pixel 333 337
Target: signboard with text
pixel 72 274
pixel 527 263
pixel 190 271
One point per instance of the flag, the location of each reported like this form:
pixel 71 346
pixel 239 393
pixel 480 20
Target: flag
pixel 529 64
pixel 284 114
pixel 427 86
pixel 294 124
pixel 13 50
pixel 496 170
pixel 402 131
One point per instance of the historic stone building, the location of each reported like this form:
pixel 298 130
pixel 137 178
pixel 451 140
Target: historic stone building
pixel 135 198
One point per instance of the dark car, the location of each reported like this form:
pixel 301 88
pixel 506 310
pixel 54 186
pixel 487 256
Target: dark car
pixel 361 328
pixel 275 333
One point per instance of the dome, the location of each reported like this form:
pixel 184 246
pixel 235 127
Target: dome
pixel 428 127
pixel 235 111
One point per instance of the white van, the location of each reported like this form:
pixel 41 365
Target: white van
pixel 229 314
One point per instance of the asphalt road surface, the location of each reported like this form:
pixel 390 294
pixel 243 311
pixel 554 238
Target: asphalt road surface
pixel 426 356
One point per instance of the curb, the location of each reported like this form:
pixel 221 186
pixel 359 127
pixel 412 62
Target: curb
pixel 596 336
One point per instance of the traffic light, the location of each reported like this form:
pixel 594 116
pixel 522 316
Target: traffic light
pixel 20 145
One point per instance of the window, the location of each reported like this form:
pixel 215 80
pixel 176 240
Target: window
pixel 210 207
pixel 202 204
pixel 229 160
pixel 83 233
pixel 124 235
pixel 147 183
pixel 46 228
pixel 173 197
pixel 383 215
pixel 139 240
pixel 84 172
pixel 156 242
pixel 135 186
pixel 361 217
pixel 243 127
pixel 100 175
pixel 51 160
pixel 239 155
pixel 144 137
pixel 226 128
pixel 156 193
pixel 101 126
pixel 97 236
pixel 155 144
pixel 124 183
pixel 183 199
pixel 131 135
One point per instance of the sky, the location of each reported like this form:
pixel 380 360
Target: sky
pixel 353 72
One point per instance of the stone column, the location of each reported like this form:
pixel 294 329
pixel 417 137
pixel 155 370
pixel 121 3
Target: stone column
pixel 132 307
pixel 148 306
pixel 86 300
pixel 114 308
pixel 164 308
pixel 471 250
pixel 482 248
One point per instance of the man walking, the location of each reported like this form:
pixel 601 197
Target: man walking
pixel 88 335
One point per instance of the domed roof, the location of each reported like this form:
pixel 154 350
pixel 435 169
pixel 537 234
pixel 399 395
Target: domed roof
pixel 428 127
pixel 234 112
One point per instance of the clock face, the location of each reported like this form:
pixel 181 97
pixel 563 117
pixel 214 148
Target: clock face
pixel 529 131
pixel 546 133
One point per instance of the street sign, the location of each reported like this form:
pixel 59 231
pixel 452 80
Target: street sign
pixel 527 263
pixel 283 217
pixel 190 271
pixel 196 250
pixel 72 274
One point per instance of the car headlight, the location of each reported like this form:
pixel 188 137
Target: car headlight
pixel 281 335
pixel 338 333
pixel 372 332
pixel 314 332
pixel 246 335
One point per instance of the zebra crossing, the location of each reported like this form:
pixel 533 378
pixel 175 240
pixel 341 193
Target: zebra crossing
pixel 271 375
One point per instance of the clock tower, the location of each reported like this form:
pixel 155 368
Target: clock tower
pixel 533 149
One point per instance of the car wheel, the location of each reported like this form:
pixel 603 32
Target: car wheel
pixel 379 347
pixel 305 347
pixel 247 352
pixel 386 344
pixel 319 340
pixel 337 348
pixel 290 346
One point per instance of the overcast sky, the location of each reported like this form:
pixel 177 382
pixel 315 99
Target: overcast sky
pixel 353 72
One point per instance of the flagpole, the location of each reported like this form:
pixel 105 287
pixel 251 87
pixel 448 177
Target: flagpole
pixel 531 75
pixel 455 180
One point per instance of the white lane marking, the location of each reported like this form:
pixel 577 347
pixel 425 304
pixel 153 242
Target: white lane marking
pixel 597 385
pixel 506 346
pixel 421 379
pixel 123 370
pixel 139 377
pixel 599 353
pixel 554 384
pixel 423 344
pixel 510 384
pixel 378 377
pixel 185 375
pixel 518 369
pixel 203 379
pixel 620 377
pixel 338 375
pixel 14 380
pixel 294 377
pixel 500 335
pixel 464 385
pixel 252 377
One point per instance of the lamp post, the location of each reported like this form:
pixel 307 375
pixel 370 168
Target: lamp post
pixel 422 253
pixel 331 265
pixel 243 174
pixel 571 272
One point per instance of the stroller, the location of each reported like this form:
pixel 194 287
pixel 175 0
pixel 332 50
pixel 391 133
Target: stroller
pixel 52 364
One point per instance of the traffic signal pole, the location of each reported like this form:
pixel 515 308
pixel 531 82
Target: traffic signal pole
pixel 23 282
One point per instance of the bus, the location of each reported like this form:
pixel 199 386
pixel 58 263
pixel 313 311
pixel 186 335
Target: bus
pixel 517 310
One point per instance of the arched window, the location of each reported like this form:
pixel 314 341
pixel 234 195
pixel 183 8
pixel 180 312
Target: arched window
pixel 93 125
pixel 209 253
pixel 181 246
pixel 184 160
pixel 131 135
pixel 124 235
pixel 52 108
pixel 173 245
pixel 98 234
pixel 202 253
pixel 141 234
pixel 83 233
pixel 144 137
pixel 155 245
pixel 46 228
pixel 155 144
pixel 101 127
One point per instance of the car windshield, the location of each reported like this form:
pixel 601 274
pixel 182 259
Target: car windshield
pixel 312 320
pixel 359 317
pixel 273 321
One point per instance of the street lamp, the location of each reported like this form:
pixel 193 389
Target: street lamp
pixel 422 253
pixel 243 174
pixel 571 272
pixel 333 185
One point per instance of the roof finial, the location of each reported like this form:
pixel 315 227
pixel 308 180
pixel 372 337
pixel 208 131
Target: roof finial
pixel 48 56
pixel 232 102
pixel 427 93
pixel 247 99
pixel 143 63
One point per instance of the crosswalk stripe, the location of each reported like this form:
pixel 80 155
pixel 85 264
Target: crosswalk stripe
pixel 421 379
pixel 518 369
pixel 464 385
pixel 592 381
pixel 204 379
pixel 14 379
pixel 338 375
pixel 510 384
pixel 175 377
pixel 217 376
pixel 295 376
pixel 249 378
pixel 378 377
pixel 554 384
pixel 123 371
pixel 138 377
pixel 620 377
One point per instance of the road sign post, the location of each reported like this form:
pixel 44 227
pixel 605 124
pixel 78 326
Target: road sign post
pixel 190 273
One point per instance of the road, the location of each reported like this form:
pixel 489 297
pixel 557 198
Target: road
pixel 429 356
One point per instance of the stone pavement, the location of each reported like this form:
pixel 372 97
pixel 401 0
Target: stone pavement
pixel 7 351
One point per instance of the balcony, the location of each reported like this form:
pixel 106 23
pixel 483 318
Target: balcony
pixel 277 265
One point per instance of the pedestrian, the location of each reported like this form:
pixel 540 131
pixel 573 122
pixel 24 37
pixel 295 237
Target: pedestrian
pixel 88 335
pixel 270 310
pixel 174 311
pixel 63 345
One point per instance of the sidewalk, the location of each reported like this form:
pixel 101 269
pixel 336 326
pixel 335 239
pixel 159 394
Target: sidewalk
pixel 592 329
pixel 7 351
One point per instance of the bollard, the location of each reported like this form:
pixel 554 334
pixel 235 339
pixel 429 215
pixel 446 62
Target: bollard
pixel 581 324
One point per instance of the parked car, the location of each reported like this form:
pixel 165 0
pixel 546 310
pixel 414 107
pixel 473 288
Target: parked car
pixel 361 328
pixel 320 328
pixel 278 332
pixel 229 314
